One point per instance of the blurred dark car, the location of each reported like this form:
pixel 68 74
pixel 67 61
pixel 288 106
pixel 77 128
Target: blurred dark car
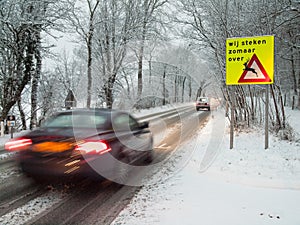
pixel 98 143
pixel 202 103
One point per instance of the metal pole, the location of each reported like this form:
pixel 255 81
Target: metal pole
pixel 2 129
pixel 232 119
pixel 267 119
pixel 11 132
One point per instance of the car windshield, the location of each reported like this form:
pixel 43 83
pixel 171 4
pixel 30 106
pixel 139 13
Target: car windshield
pixel 76 121
pixel 202 100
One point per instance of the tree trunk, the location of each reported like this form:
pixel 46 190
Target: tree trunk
pixel 89 38
pixel 140 70
pixel 35 80
pixel 183 85
pixel 190 89
pixel 298 105
pixel 140 61
pixel 109 91
pixel 14 84
pixel 199 92
pixel 22 115
pixel 252 109
pixel 278 121
pixel 89 67
pixel 176 89
pixel 295 85
pixel 282 108
pixel 164 86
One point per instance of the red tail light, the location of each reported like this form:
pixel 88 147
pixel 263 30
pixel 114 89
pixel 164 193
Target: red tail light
pixel 17 144
pixel 98 147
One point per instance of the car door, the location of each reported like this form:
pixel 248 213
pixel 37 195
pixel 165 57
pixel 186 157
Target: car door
pixel 134 139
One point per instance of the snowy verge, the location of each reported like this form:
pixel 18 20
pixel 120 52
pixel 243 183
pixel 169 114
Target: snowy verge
pixel 246 185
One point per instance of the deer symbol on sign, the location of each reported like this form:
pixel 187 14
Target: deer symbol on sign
pixel 248 68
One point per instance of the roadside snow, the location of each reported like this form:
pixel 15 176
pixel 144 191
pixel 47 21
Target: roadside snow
pixel 245 185
pixel 250 163
pixel 7 154
pixel 293 118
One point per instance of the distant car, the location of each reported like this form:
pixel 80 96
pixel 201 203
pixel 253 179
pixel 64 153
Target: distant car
pixel 84 142
pixel 202 103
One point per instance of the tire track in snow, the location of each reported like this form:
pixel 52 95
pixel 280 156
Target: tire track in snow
pixel 33 208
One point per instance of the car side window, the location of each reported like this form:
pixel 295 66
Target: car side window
pixel 124 122
pixel 76 120
pixel 133 123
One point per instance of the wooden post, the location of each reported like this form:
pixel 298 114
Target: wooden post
pixel 267 119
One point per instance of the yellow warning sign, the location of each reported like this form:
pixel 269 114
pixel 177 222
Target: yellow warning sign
pixel 250 60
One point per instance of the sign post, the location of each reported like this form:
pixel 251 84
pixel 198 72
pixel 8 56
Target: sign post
pixel 232 120
pixel 267 118
pixel 70 100
pixel 2 128
pixel 11 122
pixel 250 60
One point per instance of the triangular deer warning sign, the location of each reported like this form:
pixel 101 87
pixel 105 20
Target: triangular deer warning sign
pixel 254 72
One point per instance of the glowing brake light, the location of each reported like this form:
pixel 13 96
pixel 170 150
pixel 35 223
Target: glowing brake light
pixel 93 147
pixel 18 144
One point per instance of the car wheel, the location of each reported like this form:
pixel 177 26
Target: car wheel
pixel 150 153
pixel 149 158
pixel 122 170
pixel 122 173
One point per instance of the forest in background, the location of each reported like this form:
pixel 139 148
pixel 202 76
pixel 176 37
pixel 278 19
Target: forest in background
pixel 140 54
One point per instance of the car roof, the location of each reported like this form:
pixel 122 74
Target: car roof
pixel 105 112
pixel 202 98
pixel 102 111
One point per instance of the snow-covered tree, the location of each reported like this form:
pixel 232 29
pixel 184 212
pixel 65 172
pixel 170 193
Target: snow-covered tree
pixel 207 24
pixel 83 22
pixel 149 25
pixel 22 23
